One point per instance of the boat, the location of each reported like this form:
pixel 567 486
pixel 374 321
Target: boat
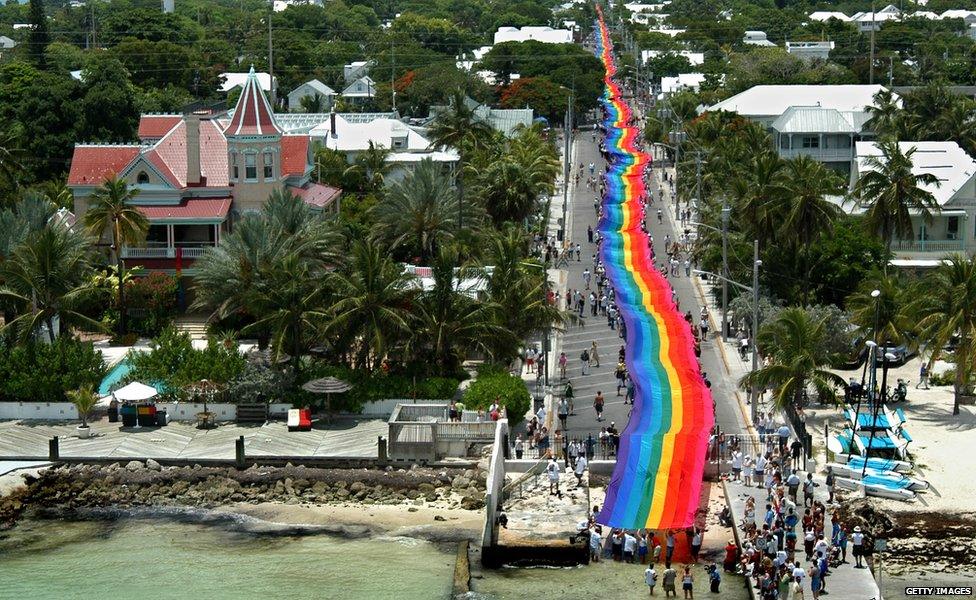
pixel 879 477
pixel 880 488
pixel 878 464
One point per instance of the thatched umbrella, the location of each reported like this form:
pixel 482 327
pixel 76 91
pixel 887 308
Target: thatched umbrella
pixel 327 386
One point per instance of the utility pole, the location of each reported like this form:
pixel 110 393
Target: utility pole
pixel 567 150
pixel 871 68
pixel 756 263
pixel 91 5
pixel 891 72
pixel 392 74
pixel 274 100
pixel 725 269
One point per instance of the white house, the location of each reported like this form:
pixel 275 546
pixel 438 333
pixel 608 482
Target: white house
pixel 406 144
pixel 826 15
pixel 952 227
pixel 756 38
pixel 6 43
pixel 315 89
pixel 684 81
pixel 355 70
pixel 360 91
pixel 866 21
pixel 821 121
pixel 810 51
pixel 505 120
pixel 696 59
pixel 547 35
pixel 233 80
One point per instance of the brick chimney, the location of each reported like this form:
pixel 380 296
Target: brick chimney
pixel 193 149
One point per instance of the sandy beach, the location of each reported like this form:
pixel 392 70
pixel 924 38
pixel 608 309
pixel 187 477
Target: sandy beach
pixel 429 522
pixel 943 442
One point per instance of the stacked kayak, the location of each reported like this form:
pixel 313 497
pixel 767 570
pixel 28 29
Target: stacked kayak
pixel 869 454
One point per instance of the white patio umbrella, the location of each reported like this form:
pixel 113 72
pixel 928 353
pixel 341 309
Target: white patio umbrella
pixel 135 392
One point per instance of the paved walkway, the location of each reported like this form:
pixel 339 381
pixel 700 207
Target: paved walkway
pixel 341 438
pixel 845 581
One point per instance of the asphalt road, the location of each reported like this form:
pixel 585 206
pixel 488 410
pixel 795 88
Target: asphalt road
pixel 575 339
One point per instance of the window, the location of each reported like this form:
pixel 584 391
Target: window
pixel 952 228
pixel 142 177
pixel 268 165
pixel 235 172
pixel 250 167
pixel 811 142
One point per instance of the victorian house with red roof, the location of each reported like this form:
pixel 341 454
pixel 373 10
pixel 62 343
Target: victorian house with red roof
pixel 198 173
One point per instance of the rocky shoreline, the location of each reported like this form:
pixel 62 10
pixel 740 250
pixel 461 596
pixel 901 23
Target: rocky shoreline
pixel 931 542
pixel 117 489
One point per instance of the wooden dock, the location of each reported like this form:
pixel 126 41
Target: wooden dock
pixel 345 438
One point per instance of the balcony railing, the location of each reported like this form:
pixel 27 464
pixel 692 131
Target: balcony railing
pixel 831 154
pixel 195 251
pixel 929 245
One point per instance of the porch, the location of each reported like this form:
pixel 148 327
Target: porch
pixel 945 234
pixel 170 240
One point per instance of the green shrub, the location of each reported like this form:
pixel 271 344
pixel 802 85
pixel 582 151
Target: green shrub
pixel 378 385
pixel 507 388
pixel 39 372
pixel 152 302
pixel 173 363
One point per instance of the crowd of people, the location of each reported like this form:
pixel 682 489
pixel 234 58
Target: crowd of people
pixel 786 549
pixel 644 547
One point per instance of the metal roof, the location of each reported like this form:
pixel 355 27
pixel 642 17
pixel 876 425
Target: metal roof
pixel 946 160
pixel 773 100
pixel 813 119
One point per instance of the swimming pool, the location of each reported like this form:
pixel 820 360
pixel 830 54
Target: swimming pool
pixel 114 376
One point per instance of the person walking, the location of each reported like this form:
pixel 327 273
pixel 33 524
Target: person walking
pixel 923 376
pixel 669 546
pixel 562 365
pixel 688 583
pixel 594 355
pixel 830 485
pixel 519 447
pixel 793 485
pixel 668 580
pixel 598 405
pixel 714 578
pixel 579 252
pixel 552 469
pixel 808 486
pixel 562 410
pixel 586 277
pixel 857 544
pixel 580 469
pixel 589 234
pixel 585 359
pixel 650 578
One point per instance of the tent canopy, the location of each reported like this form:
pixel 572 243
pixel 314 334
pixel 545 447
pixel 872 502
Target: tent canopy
pixel 327 385
pixel 135 392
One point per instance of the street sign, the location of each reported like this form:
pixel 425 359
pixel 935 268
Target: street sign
pixel 880 545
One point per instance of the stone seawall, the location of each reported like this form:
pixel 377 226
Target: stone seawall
pixel 147 484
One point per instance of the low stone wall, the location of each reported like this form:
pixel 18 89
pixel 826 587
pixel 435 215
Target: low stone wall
pixel 136 484
pixel 50 411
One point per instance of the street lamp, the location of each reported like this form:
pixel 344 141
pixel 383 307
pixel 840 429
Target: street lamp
pixel 875 409
pixel 725 263
pixel 754 289
pixel 546 333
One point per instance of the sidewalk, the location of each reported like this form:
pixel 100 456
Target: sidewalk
pixel 707 293
pixel 844 581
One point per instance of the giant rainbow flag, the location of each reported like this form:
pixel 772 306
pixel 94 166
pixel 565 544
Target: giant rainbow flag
pixel 657 480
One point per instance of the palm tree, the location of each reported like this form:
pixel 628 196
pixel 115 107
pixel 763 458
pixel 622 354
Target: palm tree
pixel 375 302
pixel 520 290
pixel 891 193
pixel 293 299
pixel 886 113
pixel 418 212
pixel 459 127
pixel 48 275
pixel 449 321
pixel 948 310
pixel 755 193
pixel 312 103
pixel 369 169
pixel 807 214
pixel 229 277
pixel 111 209
pixel 795 345
pixel 890 310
